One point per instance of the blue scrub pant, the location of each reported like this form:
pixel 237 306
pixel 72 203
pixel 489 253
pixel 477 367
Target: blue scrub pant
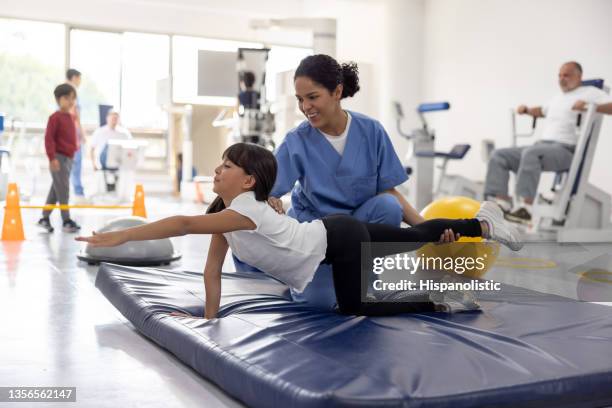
pixel 75 174
pixel 380 209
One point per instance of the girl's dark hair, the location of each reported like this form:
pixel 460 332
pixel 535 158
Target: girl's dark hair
pixel 256 161
pixel 326 71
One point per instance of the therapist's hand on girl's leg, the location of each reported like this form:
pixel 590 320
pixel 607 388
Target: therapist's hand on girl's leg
pixel 448 237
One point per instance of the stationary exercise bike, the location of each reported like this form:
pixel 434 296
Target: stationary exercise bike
pixel 420 162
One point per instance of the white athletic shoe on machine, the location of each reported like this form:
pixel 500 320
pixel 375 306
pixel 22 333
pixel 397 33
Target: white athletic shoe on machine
pixel 499 229
pixel 505 205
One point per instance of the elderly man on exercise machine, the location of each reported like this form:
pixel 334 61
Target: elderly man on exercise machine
pixel 554 150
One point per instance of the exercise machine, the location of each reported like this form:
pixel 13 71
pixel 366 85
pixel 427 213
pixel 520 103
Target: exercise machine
pixel 254 122
pixel 572 209
pixel 124 156
pixel 15 143
pixel 421 157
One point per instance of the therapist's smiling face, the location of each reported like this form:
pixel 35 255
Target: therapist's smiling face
pixel 316 102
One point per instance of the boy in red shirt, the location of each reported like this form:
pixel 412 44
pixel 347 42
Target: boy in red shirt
pixel 60 144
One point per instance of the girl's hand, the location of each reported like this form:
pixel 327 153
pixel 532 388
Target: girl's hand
pixel 276 204
pixel 105 239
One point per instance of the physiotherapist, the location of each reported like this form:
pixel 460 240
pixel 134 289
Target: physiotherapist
pixel 337 161
pixel 343 161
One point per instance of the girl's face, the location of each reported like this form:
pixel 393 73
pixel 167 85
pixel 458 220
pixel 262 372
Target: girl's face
pixel 316 102
pixel 231 180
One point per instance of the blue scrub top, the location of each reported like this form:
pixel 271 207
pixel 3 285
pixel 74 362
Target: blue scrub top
pixel 329 183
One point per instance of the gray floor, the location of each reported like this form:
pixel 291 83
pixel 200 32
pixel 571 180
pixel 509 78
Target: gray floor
pixel 58 330
pixel 576 271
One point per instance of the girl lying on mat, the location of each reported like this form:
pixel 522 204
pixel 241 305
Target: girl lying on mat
pixel 241 219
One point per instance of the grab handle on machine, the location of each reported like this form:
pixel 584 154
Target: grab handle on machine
pixel 421 109
pixel 535 120
pixel 515 135
pixel 432 107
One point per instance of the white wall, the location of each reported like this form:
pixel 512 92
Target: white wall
pixel 360 33
pixel 486 56
pixel 403 66
pixel 386 36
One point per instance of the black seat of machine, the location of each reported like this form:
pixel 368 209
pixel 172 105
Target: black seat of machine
pixel 458 152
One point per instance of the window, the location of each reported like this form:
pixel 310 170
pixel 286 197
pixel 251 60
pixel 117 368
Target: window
pixel 119 69
pixel 97 55
pixel 122 70
pixel 145 61
pixel 31 66
pixel 185 52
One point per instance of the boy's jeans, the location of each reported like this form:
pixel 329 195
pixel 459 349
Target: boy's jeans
pixel 75 175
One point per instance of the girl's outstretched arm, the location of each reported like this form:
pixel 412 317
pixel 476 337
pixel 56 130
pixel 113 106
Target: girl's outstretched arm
pixel 212 275
pixel 217 223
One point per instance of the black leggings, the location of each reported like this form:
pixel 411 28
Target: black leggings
pixel 344 237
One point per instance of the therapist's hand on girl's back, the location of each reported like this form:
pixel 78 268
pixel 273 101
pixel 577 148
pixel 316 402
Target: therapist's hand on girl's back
pixel 277 204
pixel 106 239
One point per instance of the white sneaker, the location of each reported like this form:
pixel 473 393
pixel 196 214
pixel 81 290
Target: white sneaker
pixel 499 230
pixel 505 205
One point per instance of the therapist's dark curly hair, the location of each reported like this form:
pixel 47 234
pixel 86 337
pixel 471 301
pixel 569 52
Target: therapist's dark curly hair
pixel 256 161
pixel 326 71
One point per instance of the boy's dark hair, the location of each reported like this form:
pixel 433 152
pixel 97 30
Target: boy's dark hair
pixel 326 71
pixel 63 90
pixel 248 78
pixel 71 73
pixel 256 161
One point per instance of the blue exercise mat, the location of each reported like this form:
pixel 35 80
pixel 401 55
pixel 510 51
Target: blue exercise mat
pixel 524 349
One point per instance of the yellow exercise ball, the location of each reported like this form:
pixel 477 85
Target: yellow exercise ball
pixel 454 208
pixel 466 247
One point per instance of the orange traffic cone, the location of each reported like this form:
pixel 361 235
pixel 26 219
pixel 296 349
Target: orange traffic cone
pixel 12 228
pixel 138 208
